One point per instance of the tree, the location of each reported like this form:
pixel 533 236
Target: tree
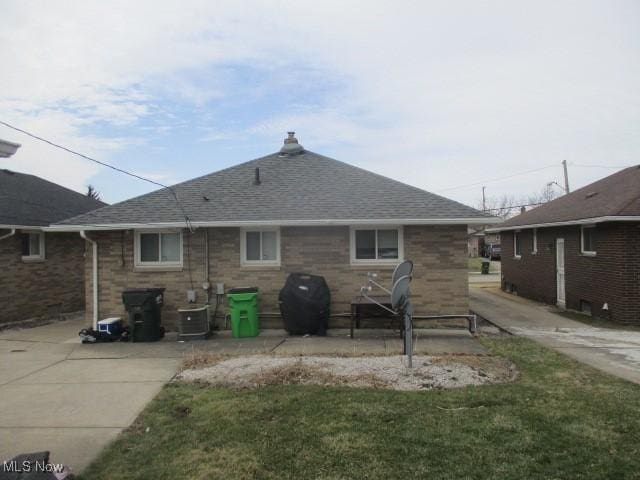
pixel 93 193
pixel 507 206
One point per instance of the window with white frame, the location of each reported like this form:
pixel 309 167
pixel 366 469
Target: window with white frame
pixel 376 245
pixel 32 245
pixel 588 240
pixel 535 241
pixel 260 247
pixel 517 244
pixel 160 248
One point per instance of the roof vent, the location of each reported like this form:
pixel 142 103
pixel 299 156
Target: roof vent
pixel 291 145
pixel 590 194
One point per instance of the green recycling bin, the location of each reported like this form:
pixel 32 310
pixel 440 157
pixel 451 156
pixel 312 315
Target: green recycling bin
pixel 243 308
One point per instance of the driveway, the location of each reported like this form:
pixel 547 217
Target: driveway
pixel 614 351
pixel 54 398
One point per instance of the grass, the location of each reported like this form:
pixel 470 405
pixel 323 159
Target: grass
pixel 560 419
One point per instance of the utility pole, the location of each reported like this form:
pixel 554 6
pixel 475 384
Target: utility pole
pixel 566 176
pixel 484 202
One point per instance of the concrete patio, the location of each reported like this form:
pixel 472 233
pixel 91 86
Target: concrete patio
pixel 72 399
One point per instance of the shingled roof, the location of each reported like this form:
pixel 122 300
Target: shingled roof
pixel 30 201
pixel 616 197
pixel 296 187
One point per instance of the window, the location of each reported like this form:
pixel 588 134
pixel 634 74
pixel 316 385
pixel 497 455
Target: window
pixel 588 240
pixel 535 241
pixel 158 249
pixel 260 247
pixel 517 245
pixel 32 246
pixel 376 245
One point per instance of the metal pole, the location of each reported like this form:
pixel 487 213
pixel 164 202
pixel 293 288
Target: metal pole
pixel 484 202
pixel 566 176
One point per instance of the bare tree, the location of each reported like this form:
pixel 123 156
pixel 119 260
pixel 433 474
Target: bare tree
pixel 507 206
pixel 93 193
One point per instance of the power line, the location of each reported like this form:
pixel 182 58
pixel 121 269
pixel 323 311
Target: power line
pixel 511 207
pixel 496 179
pixel 120 170
pixel 599 166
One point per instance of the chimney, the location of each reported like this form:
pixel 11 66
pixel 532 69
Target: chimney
pixel 256 180
pixel 523 209
pixel 291 145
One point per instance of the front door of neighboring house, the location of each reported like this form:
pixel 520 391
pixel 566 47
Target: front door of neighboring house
pixel 560 291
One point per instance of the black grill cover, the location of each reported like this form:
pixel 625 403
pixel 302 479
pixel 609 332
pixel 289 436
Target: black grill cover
pixel 304 304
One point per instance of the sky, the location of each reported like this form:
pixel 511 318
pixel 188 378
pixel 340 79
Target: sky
pixel 445 96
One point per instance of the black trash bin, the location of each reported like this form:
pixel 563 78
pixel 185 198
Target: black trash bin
pixel 144 307
pixel 304 304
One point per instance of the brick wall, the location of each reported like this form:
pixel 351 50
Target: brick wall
pixel 612 276
pixel 439 253
pixel 30 289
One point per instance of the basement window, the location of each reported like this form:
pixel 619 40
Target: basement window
pixel 160 248
pixel 588 240
pixel 376 245
pixel 260 247
pixel 32 246
pixel 585 307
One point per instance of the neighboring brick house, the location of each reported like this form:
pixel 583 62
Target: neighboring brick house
pixel 42 273
pixel 580 251
pixel 254 223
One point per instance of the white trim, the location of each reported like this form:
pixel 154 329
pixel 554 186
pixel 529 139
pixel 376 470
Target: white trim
pixel 535 241
pixel 40 256
pixel 276 223
pixel 376 261
pixel 23 227
pixel 515 250
pixel 243 247
pixel 583 221
pixel 588 253
pixel 159 264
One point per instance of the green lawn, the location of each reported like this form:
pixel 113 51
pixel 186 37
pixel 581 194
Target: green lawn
pixel 559 420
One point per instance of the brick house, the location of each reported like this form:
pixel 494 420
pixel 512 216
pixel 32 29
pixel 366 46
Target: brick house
pixel 580 251
pixel 254 223
pixel 43 273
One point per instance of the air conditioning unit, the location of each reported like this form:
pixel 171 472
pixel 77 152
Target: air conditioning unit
pixel 193 323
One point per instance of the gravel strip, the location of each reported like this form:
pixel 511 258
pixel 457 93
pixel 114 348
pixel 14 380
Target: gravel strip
pixel 378 372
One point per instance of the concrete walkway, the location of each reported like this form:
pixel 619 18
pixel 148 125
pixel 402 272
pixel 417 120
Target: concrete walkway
pixel 73 408
pixel 614 351
pixel 72 399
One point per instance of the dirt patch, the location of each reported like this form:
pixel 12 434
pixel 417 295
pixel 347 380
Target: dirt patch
pixel 368 372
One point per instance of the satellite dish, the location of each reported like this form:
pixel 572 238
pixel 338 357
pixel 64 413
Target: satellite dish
pixel 400 292
pixel 404 268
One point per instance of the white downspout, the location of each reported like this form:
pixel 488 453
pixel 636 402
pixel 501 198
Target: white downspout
pixel 94 258
pixel 10 234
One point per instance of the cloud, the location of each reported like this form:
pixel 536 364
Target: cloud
pixel 431 93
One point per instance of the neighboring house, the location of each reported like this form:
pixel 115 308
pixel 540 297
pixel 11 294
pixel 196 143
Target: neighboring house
pixel 475 243
pixel 580 251
pixel 480 240
pixel 291 211
pixel 42 273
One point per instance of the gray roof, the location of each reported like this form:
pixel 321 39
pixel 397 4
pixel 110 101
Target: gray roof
pixel 296 187
pixel 27 200
pixel 617 195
